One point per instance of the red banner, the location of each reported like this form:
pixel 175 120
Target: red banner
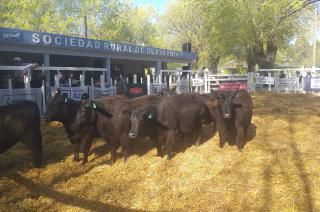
pixel 233 86
pixel 136 90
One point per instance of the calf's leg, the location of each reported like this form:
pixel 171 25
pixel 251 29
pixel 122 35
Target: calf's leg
pixel 86 149
pixel 76 148
pixel 33 140
pixel 124 142
pixel 240 137
pixel 170 140
pixel 198 136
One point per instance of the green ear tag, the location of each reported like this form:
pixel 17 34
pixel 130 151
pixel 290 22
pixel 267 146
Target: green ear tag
pixel 94 106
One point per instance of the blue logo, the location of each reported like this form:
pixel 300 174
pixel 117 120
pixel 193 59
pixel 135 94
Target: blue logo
pixel 15 35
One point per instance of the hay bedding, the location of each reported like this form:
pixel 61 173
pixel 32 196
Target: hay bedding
pixel 278 170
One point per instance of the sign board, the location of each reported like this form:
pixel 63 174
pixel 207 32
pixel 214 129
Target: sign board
pixel 264 80
pixel 14 95
pixel 197 82
pixel 183 86
pixel 17 36
pixel 315 83
pixel 74 93
pixel 157 87
pixel 98 92
pixel 232 86
pixel 289 83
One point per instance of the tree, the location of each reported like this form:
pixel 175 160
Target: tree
pixel 33 15
pixel 107 19
pixel 184 22
pixel 254 29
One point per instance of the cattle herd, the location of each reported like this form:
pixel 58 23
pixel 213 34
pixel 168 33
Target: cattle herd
pixel 120 121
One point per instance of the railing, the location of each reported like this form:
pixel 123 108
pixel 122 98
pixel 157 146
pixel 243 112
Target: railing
pixel 11 94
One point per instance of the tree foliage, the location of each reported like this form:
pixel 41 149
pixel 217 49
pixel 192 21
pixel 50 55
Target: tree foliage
pixel 185 22
pixel 251 30
pixel 254 29
pixel 107 19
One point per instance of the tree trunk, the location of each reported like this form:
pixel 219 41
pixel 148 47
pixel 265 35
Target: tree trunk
pixel 251 60
pixel 265 58
pixel 214 62
pixel 196 64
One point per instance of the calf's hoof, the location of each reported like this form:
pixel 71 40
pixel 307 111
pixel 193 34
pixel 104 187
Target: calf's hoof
pixel 240 148
pixel 169 156
pixel 76 159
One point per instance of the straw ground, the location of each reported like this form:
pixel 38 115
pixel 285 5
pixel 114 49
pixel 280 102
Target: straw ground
pixel 278 170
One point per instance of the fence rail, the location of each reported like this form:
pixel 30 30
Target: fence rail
pixel 277 80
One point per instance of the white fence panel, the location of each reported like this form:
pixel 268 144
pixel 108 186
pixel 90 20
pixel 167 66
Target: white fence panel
pixel 8 96
pixel 157 87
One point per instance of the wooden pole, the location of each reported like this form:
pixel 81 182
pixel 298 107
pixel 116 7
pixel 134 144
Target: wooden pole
pixel 85 27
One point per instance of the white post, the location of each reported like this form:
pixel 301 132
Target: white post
pixel 178 84
pixel 43 98
pixel 148 85
pixel 103 79
pixel 82 79
pixel 296 84
pixel 206 83
pixel 277 81
pixel 254 80
pixel 188 78
pixel 127 80
pixel 56 81
pixel 102 84
pixel 10 84
pixel 170 80
pixel 26 81
pixel 69 79
pixel 92 89
pixel 135 79
pixel 29 78
pixel 141 80
pixel 269 86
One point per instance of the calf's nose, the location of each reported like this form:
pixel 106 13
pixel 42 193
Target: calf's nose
pixel 132 135
pixel 227 115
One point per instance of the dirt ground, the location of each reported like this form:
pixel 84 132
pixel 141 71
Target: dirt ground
pixel 278 170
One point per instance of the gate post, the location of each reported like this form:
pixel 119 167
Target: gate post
pixel 206 82
pixel 148 84
pixel 135 79
pixel 269 86
pixel 44 107
pixel 10 84
pixel 102 84
pixel 92 90
pixel 170 80
pixel 82 79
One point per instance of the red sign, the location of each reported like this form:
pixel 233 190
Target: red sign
pixel 233 86
pixel 136 90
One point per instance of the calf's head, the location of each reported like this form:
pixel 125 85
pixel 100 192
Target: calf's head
pixel 58 107
pixel 86 115
pixel 138 119
pixel 227 101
